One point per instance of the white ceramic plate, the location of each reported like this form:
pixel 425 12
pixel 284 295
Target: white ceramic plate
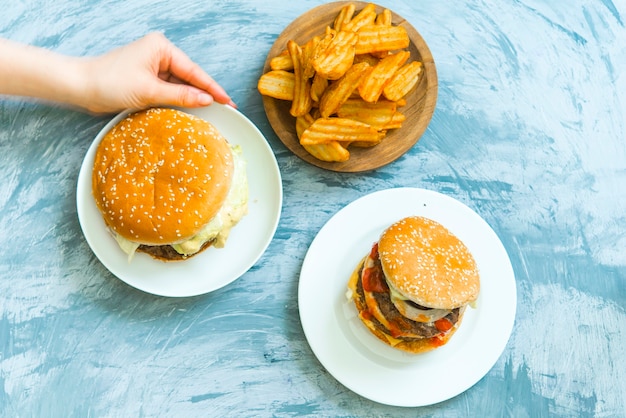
pixel 215 267
pixel 358 359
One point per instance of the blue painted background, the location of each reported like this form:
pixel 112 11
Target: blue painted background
pixel 529 131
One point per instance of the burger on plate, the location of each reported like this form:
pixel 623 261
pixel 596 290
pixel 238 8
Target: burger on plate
pixel 412 289
pixel 168 184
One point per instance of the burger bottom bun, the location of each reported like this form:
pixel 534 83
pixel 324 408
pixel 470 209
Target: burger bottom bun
pixel 414 347
pixel 167 253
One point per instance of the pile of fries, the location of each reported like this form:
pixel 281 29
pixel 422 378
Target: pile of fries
pixel 345 85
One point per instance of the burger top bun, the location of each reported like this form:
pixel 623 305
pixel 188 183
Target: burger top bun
pixel 160 175
pixel 427 264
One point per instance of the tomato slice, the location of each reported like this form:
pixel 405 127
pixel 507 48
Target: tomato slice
pixel 373 280
pixel 374 252
pixel 437 341
pixel 443 325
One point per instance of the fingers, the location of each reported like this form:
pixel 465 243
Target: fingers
pixel 153 71
pixel 180 67
pixel 180 95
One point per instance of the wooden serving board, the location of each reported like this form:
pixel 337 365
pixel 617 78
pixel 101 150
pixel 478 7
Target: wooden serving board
pixel 419 109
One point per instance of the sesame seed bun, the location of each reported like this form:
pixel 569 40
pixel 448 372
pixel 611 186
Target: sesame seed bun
pixel 427 264
pixel 160 175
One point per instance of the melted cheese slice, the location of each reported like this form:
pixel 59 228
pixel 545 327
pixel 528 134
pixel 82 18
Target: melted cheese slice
pixel 234 208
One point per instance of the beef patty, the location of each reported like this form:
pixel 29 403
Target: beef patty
pixel 167 252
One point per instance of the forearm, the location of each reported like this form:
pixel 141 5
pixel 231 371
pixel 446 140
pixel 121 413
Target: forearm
pixel 145 73
pixel 35 72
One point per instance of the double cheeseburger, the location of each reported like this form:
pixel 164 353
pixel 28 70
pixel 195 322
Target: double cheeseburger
pixel 412 289
pixel 167 183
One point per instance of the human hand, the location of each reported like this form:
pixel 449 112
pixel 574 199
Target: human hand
pixel 151 71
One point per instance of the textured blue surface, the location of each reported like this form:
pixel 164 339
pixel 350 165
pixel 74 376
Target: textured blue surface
pixel 529 131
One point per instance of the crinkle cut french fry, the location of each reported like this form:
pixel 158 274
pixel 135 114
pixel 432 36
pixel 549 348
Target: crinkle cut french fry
pixel 375 38
pixel 379 115
pixel 373 83
pixel 396 121
pixel 278 84
pixel 354 106
pixel 344 16
pixel 365 17
pixel 303 122
pixel 301 103
pixel 318 86
pixel 361 144
pixel 325 130
pixel 282 62
pixel 331 152
pixel 308 52
pixel 369 58
pixel 383 122
pixel 339 91
pixel 381 54
pixel 324 42
pixel 337 57
pixel 384 18
pixel 403 81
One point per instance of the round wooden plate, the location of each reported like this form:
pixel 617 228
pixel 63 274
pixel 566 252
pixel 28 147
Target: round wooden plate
pixel 418 110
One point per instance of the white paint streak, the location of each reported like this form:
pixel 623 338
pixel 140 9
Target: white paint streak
pixel 20 372
pixel 547 83
pixel 565 371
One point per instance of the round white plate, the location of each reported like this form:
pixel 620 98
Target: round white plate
pixel 358 359
pixel 215 267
